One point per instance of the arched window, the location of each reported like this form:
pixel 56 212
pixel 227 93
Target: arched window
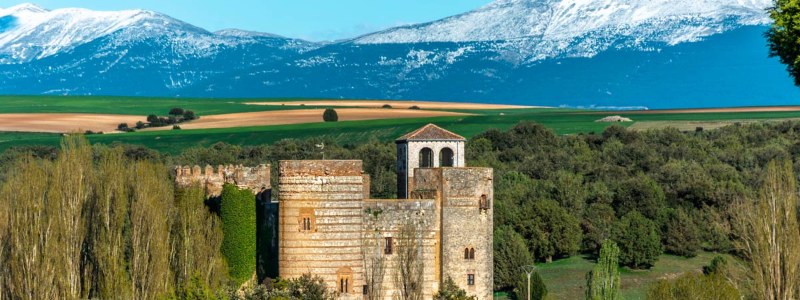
pixel 446 157
pixel 466 253
pixel 471 253
pixel 426 158
pixel 345 276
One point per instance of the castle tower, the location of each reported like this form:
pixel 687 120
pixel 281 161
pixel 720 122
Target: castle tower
pixel 427 147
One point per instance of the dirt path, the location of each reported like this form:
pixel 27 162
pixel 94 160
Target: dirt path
pixel 67 122
pixel 299 116
pixel 394 104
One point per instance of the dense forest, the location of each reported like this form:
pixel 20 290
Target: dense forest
pixel 652 192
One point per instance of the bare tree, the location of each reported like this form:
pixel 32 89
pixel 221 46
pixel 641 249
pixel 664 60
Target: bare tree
pixel 151 207
pixel 29 272
pixel 769 235
pixel 373 257
pixel 408 271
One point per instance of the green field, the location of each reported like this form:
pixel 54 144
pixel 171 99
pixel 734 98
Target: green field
pixel 566 278
pixel 562 121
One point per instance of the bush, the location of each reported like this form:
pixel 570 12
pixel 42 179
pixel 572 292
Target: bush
pixel 451 291
pixel 638 240
pixel 238 214
pixel 386 106
pixel 177 111
pixel 414 107
pixel 694 286
pixel 330 115
pixel 139 125
pixel 176 127
pixel 122 126
pixel 308 287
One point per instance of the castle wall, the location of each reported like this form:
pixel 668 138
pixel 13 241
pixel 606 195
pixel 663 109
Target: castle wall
pixel 383 219
pixel 464 225
pixel 330 195
pixel 254 178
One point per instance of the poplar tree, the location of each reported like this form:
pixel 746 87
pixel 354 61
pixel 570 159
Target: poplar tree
pixel 603 282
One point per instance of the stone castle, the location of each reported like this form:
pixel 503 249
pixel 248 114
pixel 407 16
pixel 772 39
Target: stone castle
pixel 328 225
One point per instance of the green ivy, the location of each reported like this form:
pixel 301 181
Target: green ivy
pixel 238 213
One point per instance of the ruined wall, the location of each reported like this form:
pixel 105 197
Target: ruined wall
pixel 464 225
pixel 383 219
pixel 254 178
pixel 320 222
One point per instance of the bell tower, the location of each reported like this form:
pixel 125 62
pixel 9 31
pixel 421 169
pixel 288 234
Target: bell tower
pixel 428 147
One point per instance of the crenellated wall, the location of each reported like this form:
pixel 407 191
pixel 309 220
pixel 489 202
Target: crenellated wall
pixel 254 178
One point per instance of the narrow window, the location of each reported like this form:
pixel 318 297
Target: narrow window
pixel 484 203
pixel 466 253
pixel 426 158
pixel 341 286
pixel 387 247
pixel 471 253
pixel 365 290
pixel 470 279
pixel 446 157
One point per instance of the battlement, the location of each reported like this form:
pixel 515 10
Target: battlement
pixel 212 179
pixel 290 168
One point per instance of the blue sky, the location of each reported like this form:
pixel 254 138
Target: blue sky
pixel 308 19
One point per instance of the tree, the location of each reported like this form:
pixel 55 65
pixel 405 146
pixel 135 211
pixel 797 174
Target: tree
pixel 638 240
pixel 196 261
pixel 189 115
pixel 555 232
pixel 450 291
pixel 330 115
pixel 238 214
pixel 139 125
pixel 510 253
pixel 784 35
pixel 769 234
pixel 176 111
pixel 682 237
pixel 409 266
pixel 373 258
pixel 597 225
pixel 122 126
pixel 538 290
pixel 603 283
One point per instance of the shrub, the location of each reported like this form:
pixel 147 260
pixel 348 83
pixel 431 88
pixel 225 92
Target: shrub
pixel 139 125
pixel 122 126
pixel 330 115
pixel 238 213
pixel 414 107
pixel 308 287
pixel 177 111
pixel 451 291
pixel 386 106
pixel 638 240
pixel 176 127
pixel 718 266
pixel 88 132
pixel 694 286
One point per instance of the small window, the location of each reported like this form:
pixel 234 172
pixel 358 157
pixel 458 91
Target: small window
pixel 446 157
pixel 365 290
pixel 466 253
pixel 306 220
pixel 344 285
pixel 470 279
pixel 471 253
pixel 426 158
pixel 387 246
pixel 484 203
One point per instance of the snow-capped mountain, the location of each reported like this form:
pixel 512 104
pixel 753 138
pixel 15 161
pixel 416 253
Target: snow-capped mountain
pixel 655 53
pixel 543 29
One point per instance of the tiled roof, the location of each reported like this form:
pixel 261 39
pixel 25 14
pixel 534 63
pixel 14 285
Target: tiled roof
pixel 430 132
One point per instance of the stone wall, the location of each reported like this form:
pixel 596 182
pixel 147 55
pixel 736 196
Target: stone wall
pixel 330 195
pixel 383 219
pixel 464 225
pixel 408 160
pixel 254 178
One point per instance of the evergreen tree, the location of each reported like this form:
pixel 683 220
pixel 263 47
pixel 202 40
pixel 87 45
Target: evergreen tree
pixel 603 283
pixel 510 253
pixel 638 240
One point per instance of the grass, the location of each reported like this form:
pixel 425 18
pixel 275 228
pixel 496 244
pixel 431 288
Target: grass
pixel 562 121
pixel 566 278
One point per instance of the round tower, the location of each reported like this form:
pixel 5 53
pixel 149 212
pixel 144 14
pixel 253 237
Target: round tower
pixel 428 147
